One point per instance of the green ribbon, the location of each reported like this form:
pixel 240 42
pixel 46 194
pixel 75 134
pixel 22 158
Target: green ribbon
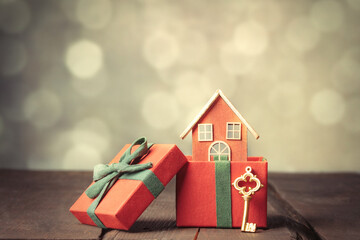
pixel 105 176
pixel 223 194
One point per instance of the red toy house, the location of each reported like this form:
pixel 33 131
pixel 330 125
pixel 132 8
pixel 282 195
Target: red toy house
pixel 205 196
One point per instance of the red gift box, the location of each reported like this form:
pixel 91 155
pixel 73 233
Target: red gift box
pixel 127 199
pixel 196 194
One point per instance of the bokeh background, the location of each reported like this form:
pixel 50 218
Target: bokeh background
pixel 79 79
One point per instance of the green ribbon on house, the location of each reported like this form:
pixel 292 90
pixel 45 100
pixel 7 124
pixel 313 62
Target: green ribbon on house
pixel 105 176
pixel 223 194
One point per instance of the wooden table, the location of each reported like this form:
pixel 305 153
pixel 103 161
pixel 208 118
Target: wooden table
pixel 35 205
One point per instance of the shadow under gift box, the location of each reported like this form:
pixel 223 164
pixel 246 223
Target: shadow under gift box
pixel 196 194
pixel 128 199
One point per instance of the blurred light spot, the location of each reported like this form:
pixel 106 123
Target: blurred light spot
pixel 266 12
pixel 84 59
pixel 250 38
pixel 194 48
pixel 352 115
pixel 160 110
pixel 234 62
pixel 42 108
pixel 327 107
pixel 92 132
pixel 81 157
pixel 13 57
pixel 287 99
pixel 301 35
pixel 327 15
pixel 218 78
pixel 346 74
pixel 94 14
pixel 354 4
pixel 161 49
pixel 191 88
pixel 92 87
pixel 14 16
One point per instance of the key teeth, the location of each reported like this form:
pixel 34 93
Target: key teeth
pixel 250 227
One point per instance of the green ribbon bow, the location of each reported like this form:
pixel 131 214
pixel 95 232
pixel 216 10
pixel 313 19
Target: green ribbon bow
pixel 105 175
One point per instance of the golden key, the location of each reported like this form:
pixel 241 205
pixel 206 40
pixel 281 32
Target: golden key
pixel 245 226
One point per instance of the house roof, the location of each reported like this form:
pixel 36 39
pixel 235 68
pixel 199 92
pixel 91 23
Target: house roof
pixel 217 94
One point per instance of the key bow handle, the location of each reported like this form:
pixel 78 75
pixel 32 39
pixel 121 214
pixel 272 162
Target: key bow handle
pixel 252 178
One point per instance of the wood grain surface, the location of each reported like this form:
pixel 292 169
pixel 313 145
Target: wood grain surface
pixel 329 204
pixel 35 205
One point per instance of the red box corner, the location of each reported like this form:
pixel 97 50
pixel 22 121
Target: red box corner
pixel 196 194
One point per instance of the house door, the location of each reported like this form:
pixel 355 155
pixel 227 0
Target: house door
pixel 219 151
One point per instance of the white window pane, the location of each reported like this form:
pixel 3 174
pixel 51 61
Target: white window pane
pixel 230 135
pixel 212 150
pixel 237 135
pixel 222 147
pixel 216 147
pixel 201 136
pixel 201 128
pixel 208 136
pixel 237 126
pixel 230 126
pixel 208 127
pixel 226 151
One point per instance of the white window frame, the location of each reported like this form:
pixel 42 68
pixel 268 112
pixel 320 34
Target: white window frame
pixel 220 153
pixel 233 130
pixel 205 132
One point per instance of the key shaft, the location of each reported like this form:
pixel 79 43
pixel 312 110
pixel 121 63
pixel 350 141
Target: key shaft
pixel 247 199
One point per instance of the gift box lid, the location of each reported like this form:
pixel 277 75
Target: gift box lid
pixel 127 199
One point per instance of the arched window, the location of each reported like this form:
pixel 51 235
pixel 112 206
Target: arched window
pixel 219 151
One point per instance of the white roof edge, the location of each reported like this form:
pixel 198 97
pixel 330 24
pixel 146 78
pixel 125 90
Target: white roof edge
pixel 206 107
pixel 203 110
